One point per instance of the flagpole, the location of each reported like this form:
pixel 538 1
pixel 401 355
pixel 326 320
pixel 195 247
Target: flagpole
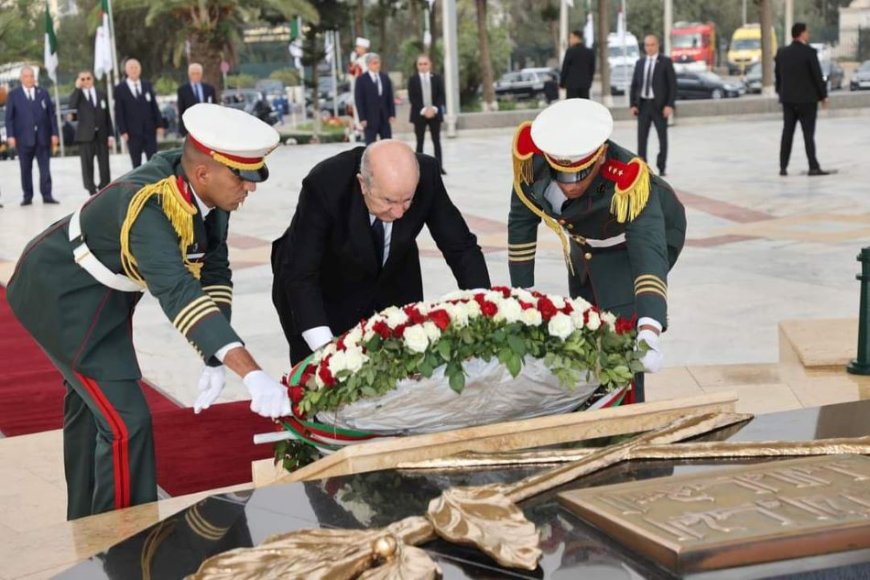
pixel 59 123
pixel 112 80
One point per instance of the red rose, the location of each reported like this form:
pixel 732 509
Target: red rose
pixel 568 309
pixel 440 318
pixel 414 315
pixel 505 292
pixel 399 331
pixel 488 308
pixel 296 394
pixel 624 326
pixel 340 344
pixel 297 412
pixel 526 305
pixel 324 373
pixel 306 375
pixel 547 308
pixel 382 329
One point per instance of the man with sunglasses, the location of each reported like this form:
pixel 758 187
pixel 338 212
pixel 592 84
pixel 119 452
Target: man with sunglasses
pixel 621 227
pixel 94 133
pixel 161 228
pixel 351 248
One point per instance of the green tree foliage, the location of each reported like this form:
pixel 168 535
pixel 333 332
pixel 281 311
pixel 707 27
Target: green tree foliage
pixel 470 73
pixel 288 76
pixel 21 31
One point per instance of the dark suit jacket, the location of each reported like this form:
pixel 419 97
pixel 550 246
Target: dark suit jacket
pixel 136 117
pixel 664 83
pixel 798 74
pixel 187 99
pixel 325 266
pixel 30 123
pixel 415 95
pixel 92 121
pixel 372 108
pixel 578 68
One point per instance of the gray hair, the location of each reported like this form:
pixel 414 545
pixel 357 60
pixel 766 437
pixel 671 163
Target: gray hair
pixel 372 56
pixel 194 66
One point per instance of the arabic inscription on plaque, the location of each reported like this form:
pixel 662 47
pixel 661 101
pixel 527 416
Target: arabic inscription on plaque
pixel 739 516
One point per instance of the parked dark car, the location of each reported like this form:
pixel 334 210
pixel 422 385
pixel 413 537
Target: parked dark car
pixel 832 74
pixel 861 78
pixel 251 101
pixel 752 78
pixel 706 85
pixel 522 84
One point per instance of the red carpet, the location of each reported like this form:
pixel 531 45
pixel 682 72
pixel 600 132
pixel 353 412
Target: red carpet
pixel 194 452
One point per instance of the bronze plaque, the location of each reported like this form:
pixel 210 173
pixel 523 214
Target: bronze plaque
pixel 735 517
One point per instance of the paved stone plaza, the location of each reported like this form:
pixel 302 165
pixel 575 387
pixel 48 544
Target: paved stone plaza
pixel 761 248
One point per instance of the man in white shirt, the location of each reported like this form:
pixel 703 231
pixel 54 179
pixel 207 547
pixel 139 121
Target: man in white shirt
pixel 373 96
pixel 426 93
pixel 136 113
pixel 653 95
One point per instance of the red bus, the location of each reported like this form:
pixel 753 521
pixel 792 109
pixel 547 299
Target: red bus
pixel 693 45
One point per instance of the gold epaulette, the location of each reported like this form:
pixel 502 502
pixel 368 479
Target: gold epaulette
pixel 632 182
pixel 523 152
pixel 180 213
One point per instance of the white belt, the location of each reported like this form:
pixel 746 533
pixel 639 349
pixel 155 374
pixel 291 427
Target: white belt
pixel 605 243
pixel 92 265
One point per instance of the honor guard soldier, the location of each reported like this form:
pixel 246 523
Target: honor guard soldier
pixel 161 228
pixel 621 227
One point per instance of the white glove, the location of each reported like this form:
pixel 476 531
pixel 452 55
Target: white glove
pixel 653 359
pixel 211 383
pixel 268 397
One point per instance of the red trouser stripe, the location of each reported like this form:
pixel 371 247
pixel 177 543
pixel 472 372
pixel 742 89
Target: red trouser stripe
pixel 120 453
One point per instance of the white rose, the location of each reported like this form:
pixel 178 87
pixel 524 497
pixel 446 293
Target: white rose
pixel 558 302
pixel 433 333
pixel 355 359
pixel 327 350
pixel 524 295
pixel 395 317
pixel 458 315
pixel 424 308
pixel 560 326
pixel 353 337
pixel 594 321
pixel 456 295
pixel 337 362
pixel 580 304
pixel 493 296
pixel 509 310
pixel 610 319
pixel 531 317
pixel 415 338
pixel 577 319
pixel 472 308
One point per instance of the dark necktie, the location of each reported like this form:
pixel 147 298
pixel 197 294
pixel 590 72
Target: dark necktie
pixel 378 81
pixel 647 86
pixel 198 92
pixel 30 96
pixel 136 91
pixel 378 239
pixel 92 99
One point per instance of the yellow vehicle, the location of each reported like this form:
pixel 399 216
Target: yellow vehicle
pixel 745 48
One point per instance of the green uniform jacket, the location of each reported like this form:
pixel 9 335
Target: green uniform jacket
pixel 87 325
pixel 620 267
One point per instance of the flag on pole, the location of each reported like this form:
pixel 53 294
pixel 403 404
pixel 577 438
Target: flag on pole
pixel 50 46
pixel 328 46
pixel 570 3
pixel 620 26
pixel 589 31
pixel 102 44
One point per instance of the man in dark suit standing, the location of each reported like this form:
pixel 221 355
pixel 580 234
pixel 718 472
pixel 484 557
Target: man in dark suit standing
pixel 193 92
pixel 373 96
pixel 426 93
pixel 800 86
pixel 31 127
pixel 136 114
pixel 351 248
pixel 94 133
pixel 653 96
pixel 578 68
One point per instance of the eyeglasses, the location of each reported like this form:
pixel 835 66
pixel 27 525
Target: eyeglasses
pixel 85 78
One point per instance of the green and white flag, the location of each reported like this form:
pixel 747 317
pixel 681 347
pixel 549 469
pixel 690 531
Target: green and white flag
pixel 50 46
pixel 102 44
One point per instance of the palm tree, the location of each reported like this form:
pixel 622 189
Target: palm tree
pixel 489 103
pixel 214 27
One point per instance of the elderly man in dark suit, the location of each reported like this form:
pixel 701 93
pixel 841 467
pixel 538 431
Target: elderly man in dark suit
pixel 578 68
pixel 373 96
pixel 31 127
pixel 800 86
pixel 136 113
pixel 653 97
pixel 193 92
pixel 351 248
pixel 426 93
pixel 94 133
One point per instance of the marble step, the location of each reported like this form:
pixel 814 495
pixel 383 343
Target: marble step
pixel 818 343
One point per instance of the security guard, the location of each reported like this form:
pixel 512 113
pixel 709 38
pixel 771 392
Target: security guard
pixel 621 227
pixel 161 228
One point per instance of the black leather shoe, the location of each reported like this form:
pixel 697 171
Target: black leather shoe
pixel 818 171
pixel 783 172
pixel 50 201
pixel 27 202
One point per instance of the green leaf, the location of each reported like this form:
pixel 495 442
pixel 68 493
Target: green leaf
pixel 517 344
pixel 457 381
pixel 514 364
pixel 444 348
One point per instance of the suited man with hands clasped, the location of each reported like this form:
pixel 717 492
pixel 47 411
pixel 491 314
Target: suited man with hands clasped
pixel 373 98
pixel 653 97
pixel 193 92
pixel 351 248
pixel 136 113
pixel 94 132
pixel 426 93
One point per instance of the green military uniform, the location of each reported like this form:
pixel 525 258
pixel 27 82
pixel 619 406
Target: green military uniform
pixel 146 227
pixel 621 237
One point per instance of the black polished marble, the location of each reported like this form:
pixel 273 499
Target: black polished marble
pixel 572 549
